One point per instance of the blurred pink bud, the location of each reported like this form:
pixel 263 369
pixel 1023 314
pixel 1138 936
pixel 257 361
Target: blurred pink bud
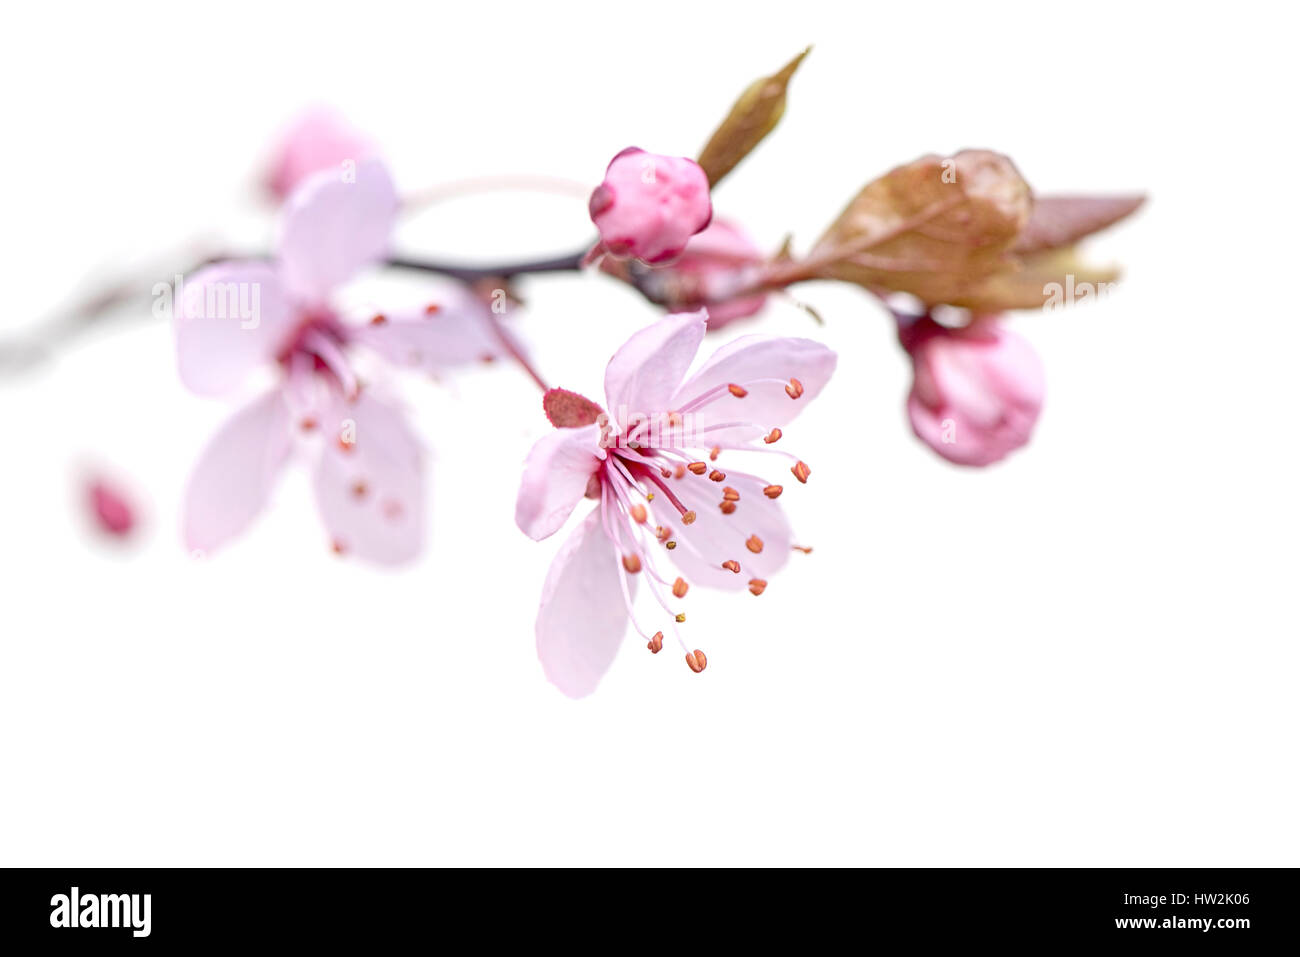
pixel 112 512
pixel 718 263
pixel 318 139
pixel 649 205
pixel 977 390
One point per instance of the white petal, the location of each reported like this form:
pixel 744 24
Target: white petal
pixel 763 366
pixel 371 490
pixel 236 473
pixel 642 376
pixel 582 618
pixel 231 318
pixel 332 228
pixel 555 479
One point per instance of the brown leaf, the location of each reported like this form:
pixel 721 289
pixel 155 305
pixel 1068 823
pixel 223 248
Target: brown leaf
pixel 1054 275
pixel 932 227
pixel 754 115
pixel 1058 221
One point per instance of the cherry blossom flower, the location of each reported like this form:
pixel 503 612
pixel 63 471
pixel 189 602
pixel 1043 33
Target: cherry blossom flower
pixel 656 462
pixel 977 390
pixel 235 317
pixel 319 139
pixel 649 205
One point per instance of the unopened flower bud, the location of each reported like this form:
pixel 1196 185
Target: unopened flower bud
pixel 112 511
pixel 318 140
pixel 649 206
pixel 977 390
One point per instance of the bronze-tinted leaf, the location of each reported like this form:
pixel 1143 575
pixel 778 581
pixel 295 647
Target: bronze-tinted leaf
pixel 932 227
pixel 1058 221
pixel 754 115
pixel 1050 276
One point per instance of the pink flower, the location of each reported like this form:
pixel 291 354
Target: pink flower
pixel 977 390
pixel 716 267
pixel 650 205
pixel 232 318
pixel 654 463
pixel 319 139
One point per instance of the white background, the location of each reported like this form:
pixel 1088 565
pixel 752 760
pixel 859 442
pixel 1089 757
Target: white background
pixel 1085 656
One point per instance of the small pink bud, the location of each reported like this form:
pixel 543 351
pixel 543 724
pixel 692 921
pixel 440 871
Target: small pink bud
pixel 713 272
pixel 112 512
pixel 977 390
pixel 650 205
pixel 317 140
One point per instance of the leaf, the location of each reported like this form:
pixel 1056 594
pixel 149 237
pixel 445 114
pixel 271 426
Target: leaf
pixel 569 410
pixel 754 115
pixel 1058 221
pixel 931 228
pixel 1029 283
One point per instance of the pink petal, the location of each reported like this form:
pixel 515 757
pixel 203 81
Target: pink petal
pixel 714 538
pixel 1017 369
pixel 960 378
pixel 229 319
pixel 977 393
pixel 454 328
pixel 317 140
pixel 555 479
pixel 722 313
pixel 332 228
pixel 582 618
pixel 642 376
pixel 762 366
pixel 369 482
pixel 716 263
pixel 236 473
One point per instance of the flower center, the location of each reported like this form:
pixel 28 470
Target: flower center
pixel 317 346
pixel 647 483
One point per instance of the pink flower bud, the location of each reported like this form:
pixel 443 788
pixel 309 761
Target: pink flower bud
pixel 716 267
pixel 318 139
pixel 977 390
pixel 112 512
pixel 649 205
